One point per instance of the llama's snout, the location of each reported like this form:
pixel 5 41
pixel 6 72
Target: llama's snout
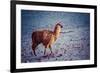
pixel 61 26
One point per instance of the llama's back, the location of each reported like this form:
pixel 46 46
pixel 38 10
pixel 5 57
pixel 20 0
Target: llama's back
pixel 36 37
pixel 43 36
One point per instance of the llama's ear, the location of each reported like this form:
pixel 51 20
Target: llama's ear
pixel 56 22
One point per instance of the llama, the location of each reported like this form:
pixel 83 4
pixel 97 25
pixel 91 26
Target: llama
pixel 46 37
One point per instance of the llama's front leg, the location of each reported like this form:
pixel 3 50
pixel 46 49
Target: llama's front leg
pixel 50 49
pixel 44 51
pixel 46 46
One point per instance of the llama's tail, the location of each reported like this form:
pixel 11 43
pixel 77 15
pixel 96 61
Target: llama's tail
pixel 33 43
pixel 33 34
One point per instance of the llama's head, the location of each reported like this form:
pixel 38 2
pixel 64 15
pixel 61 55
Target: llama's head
pixel 57 29
pixel 59 25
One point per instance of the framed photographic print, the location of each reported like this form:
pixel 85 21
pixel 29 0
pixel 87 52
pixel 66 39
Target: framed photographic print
pixel 52 36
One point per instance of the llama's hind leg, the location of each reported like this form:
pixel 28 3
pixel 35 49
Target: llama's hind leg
pixel 33 48
pixel 45 49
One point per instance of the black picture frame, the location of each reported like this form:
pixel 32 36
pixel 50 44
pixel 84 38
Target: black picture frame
pixel 13 35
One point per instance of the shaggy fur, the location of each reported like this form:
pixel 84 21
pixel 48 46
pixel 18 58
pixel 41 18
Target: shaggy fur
pixel 46 37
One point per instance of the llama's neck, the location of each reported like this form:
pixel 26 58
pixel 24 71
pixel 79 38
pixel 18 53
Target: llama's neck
pixel 57 32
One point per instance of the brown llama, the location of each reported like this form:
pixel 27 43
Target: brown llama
pixel 45 37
